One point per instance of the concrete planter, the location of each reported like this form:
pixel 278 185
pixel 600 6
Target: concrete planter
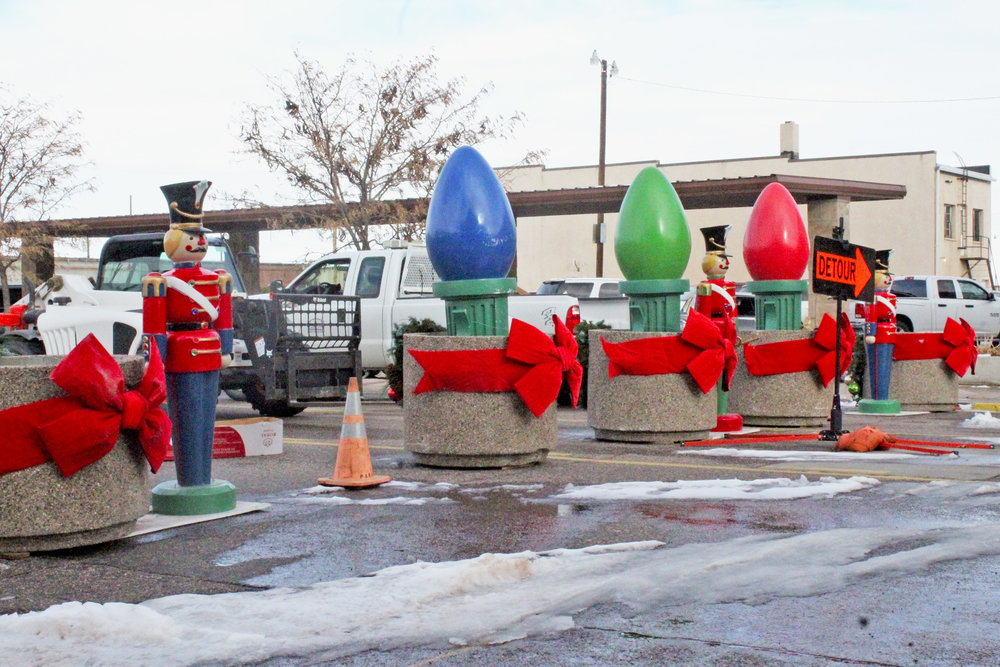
pixel 790 399
pixel 452 429
pixel 924 385
pixel 648 408
pixel 987 371
pixel 42 510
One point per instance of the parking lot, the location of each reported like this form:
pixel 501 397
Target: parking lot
pixel 437 515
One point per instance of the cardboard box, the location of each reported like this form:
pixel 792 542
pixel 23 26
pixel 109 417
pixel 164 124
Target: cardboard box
pixel 254 436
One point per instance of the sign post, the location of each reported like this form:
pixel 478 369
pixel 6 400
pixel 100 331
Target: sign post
pixel 845 271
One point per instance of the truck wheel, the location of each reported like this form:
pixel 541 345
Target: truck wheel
pixel 22 346
pixel 269 408
pixel 903 325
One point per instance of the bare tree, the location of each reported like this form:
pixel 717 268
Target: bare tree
pixel 39 160
pixel 364 138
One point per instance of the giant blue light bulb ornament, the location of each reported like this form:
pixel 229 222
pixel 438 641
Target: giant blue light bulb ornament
pixel 472 243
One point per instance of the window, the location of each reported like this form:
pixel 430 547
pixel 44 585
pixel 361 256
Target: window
pixel 608 291
pixel 550 287
pixel 370 277
pixel 578 290
pixel 326 278
pixel 971 290
pixel 949 215
pixel 977 224
pixel 946 289
pixel 910 287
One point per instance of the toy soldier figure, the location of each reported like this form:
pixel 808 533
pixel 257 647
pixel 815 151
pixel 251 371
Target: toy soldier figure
pixel 715 298
pixel 187 311
pixel 880 328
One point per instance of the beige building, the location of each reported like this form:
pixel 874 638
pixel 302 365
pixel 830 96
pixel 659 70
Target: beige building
pixel 942 225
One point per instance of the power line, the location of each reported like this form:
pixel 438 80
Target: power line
pixel 807 99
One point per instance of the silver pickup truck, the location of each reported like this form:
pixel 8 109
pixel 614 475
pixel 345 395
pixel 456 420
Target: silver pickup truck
pixel 924 303
pixel 599 299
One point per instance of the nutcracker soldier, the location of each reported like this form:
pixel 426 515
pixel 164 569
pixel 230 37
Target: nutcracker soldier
pixel 187 314
pixel 880 329
pixel 715 298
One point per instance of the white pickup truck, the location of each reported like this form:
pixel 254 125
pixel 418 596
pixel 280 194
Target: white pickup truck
pixel 924 303
pixel 395 284
pixel 599 299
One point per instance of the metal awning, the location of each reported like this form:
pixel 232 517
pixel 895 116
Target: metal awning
pixel 700 194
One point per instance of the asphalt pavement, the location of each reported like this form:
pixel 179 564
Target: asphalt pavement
pixel 291 543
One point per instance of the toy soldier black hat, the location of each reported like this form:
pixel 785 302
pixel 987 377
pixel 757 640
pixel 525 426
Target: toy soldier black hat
pixel 186 200
pixel 715 239
pixel 882 260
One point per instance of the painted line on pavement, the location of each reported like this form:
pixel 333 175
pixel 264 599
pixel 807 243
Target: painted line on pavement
pixel 669 464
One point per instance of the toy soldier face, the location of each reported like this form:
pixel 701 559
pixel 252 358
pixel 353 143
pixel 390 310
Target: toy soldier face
pixel 883 281
pixel 714 264
pixel 192 247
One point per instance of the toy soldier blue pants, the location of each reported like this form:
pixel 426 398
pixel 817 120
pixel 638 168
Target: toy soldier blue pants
pixel 192 398
pixel 879 366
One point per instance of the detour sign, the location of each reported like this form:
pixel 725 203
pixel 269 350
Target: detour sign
pixel 843 270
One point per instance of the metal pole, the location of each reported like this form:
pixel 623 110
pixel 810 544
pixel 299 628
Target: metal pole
pixel 836 413
pixel 600 164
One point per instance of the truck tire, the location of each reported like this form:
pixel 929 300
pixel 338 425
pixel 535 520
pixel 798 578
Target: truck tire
pixel 903 325
pixel 22 346
pixel 271 408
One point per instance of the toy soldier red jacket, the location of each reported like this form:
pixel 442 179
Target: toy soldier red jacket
pixel 701 349
pixel 78 429
pixel 532 365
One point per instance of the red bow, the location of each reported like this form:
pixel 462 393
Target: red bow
pixel 532 365
pixel 956 345
pixel 794 356
pixel 701 349
pixel 78 429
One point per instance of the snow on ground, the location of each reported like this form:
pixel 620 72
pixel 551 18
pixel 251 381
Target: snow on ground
pixel 491 598
pixel 981 420
pixel 499 597
pixel 780 488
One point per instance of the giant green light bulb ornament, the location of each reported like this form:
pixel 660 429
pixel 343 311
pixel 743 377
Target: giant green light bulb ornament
pixel 652 246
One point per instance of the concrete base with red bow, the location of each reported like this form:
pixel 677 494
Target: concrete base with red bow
pixel 470 429
pixel 40 509
pixel 787 399
pixel 661 408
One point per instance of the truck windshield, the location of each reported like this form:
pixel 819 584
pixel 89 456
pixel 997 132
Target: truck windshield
pixel 124 264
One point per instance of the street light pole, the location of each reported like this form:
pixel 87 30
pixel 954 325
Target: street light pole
pixel 599 228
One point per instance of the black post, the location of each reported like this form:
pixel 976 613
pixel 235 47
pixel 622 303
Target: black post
pixel 836 413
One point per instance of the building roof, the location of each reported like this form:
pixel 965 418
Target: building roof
pixel 698 194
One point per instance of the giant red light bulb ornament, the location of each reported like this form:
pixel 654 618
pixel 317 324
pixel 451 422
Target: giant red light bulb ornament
pixel 776 253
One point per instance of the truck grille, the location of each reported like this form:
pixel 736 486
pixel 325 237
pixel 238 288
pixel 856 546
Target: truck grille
pixel 59 341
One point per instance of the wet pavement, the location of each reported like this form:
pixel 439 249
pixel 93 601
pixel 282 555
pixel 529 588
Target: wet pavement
pixel 944 614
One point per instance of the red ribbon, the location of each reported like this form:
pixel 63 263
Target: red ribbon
pixel 701 349
pixel 78 429
pixel 794 356
pixel 956 345
pixel 532 365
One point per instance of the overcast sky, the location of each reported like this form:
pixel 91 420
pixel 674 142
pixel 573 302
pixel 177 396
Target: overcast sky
pixel 161 85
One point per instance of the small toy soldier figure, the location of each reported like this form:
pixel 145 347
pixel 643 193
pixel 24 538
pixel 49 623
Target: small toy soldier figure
pixel 715 297
pixel 880 329
pixel 187 311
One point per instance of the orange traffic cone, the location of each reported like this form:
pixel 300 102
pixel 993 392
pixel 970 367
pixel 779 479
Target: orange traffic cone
pixel 354 463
